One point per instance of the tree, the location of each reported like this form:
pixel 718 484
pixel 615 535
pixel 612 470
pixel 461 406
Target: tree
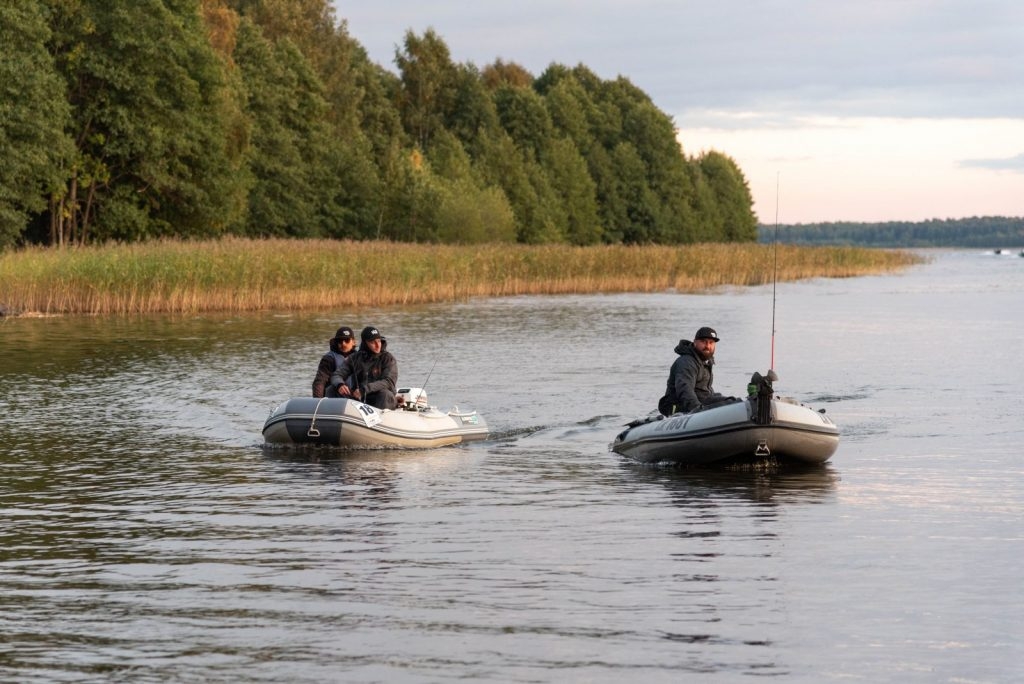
pixel 576 190
pixel 289 153
pixel 353 125
pixel 539 218
pixel 732 197
pixel 448 158
pixel 265 117
pixel 604 119
pixel 524 116
pixel 428 79
pixel 568 105
pixel 467 214
pixel 650 133
pixel 710 223
pixel 146 92
pixel 508 74
pixel 641 209
pixel 33 117
pixel 473 110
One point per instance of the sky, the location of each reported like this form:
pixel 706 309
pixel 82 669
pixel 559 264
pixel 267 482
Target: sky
pixel 834 110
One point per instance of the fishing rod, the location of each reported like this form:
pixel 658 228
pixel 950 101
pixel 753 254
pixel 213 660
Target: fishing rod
pixel 775 269
pixel 411 401
pixel 423 387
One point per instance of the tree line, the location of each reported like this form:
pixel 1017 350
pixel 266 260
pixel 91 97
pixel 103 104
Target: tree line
pixel 128 120
pixel 977 232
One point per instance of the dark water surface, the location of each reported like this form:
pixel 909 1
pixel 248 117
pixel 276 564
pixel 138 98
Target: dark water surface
pixel 147 535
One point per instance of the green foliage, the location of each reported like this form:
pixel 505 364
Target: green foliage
pixel 731 197
pixel 33 116
pixel 198 118
pixel 287 157
pixel 576 191
pixel 467 214
pixel 524 116
pixel 428 79
pixel 473 109
pixel 146 92
pixel 349 114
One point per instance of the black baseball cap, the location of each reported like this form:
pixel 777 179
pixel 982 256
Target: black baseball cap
pixel 344 333
pixel 706 333
pixel 370 333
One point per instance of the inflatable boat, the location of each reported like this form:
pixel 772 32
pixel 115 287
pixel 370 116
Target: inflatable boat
pixel 344 422
pixel 760 428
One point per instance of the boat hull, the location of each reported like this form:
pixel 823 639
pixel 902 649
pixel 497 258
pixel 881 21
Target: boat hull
pixel 349 423
pixel 732 432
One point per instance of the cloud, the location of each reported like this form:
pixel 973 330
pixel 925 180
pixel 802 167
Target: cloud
pixel 891 58
pixel 869 110
pixel 1015 164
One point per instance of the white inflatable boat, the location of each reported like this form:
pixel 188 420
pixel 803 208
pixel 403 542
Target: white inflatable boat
pixel 349 423
pixel 761 427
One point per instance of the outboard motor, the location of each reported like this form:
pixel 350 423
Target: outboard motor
pixel 760 393
pixel 415 398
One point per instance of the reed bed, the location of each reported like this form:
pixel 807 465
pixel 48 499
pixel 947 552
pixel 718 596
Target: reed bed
pixel 237 275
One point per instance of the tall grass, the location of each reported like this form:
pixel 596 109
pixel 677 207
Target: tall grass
pixel 248 275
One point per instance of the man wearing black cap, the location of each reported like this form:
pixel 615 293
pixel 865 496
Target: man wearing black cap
pixel 689 379
pixel 341 346
pixel 372 372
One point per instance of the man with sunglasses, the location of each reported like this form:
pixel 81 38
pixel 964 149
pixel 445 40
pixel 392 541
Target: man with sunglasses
pixel 340 347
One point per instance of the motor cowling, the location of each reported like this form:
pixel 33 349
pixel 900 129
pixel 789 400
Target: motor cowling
pixel 414 397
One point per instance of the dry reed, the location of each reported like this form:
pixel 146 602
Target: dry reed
pixel 249 275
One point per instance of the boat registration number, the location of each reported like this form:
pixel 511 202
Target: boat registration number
pixel 371 416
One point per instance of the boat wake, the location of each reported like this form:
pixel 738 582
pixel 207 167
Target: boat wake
pixel 557 431
pixel 514 433
pixel 835 398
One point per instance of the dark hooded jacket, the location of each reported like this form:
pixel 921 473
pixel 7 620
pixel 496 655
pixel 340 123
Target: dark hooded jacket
pixel 374 375
pixel 689 382
pixel 329 363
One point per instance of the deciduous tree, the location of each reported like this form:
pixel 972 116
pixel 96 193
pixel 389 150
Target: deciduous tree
pixel 152 147
pixel 34 115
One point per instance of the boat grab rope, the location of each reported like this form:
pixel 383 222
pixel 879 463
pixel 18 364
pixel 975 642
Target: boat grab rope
pixel 313 432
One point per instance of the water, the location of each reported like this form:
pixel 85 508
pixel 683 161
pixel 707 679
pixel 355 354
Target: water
pixel 147 534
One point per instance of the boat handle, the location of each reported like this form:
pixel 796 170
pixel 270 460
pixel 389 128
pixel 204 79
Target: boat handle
pixel 313 432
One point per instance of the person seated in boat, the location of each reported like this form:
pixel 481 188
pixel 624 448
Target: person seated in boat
pixel 690 377
pixel 341 346
pixel 371 374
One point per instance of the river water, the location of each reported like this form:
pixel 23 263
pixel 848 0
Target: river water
pixel 148 534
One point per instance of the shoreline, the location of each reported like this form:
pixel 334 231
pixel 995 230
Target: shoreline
pixel 237 275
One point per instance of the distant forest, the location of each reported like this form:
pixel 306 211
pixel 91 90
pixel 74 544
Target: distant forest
pixel 980 232
pixel 128 121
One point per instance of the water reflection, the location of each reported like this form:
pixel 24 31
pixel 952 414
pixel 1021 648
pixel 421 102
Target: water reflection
pixel 359 474
pixel 791 485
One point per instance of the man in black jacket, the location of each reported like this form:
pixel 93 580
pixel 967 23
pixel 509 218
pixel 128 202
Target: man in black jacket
pixel 373 372
pixel 341 346
pixel 689 379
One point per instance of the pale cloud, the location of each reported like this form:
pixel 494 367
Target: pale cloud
pixel 871 169
pixel 1015 164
